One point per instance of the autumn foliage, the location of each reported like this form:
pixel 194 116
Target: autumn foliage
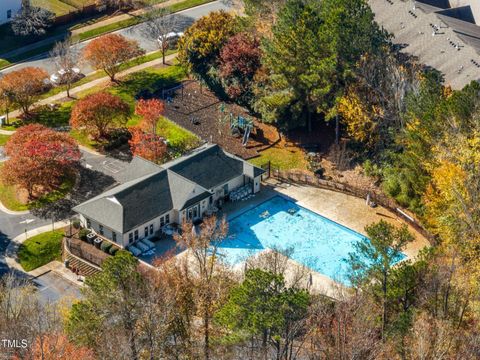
pixel 58 347
pixel 39 159
pixel 150 111
pixel 240 59
pixel 108 52
pixel 98 113
pixel 23 86
pixel 147 145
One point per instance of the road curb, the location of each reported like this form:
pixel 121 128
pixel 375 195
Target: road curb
pixel 4 209
pixel 11 257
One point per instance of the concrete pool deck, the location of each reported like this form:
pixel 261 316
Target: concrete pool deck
pixel 344 209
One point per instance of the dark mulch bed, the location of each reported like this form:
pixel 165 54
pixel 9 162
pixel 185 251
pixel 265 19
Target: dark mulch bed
pixel 204 108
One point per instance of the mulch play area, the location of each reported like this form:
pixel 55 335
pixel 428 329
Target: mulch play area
pixel 201 112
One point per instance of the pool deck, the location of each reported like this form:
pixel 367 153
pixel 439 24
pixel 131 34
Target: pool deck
pixel 344 209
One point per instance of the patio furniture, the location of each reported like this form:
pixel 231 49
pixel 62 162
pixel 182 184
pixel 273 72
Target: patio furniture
pixel 141 246
pixel 148 243
pixel 134 250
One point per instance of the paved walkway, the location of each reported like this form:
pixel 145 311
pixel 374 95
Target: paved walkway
pixel 102 81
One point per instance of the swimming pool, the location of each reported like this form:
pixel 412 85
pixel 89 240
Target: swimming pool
pixel 317 242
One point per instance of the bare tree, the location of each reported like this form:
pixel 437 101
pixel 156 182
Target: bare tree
pixel 31 20
pixel 65 57
pixel 159 23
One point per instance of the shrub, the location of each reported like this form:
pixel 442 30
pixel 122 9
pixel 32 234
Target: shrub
pixel 76 224
pixel 113 250
pixel 82 234
pixel 105 246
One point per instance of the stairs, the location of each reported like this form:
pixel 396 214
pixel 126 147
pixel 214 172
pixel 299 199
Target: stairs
pixel 82 266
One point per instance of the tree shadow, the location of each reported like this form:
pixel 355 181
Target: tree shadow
pixel 91 183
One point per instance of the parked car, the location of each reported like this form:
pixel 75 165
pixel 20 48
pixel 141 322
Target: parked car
pixel 58 78
pixel 170 37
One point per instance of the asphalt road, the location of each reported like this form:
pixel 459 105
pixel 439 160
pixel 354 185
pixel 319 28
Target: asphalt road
pixel 185 19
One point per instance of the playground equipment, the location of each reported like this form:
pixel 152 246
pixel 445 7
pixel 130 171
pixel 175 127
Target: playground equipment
pixel 239 124
pixel 168 94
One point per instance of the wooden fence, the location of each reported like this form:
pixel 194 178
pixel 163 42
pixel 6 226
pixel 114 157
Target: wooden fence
pixel 375 196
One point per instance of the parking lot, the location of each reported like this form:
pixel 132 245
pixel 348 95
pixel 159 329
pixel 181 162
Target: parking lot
pixel 53 287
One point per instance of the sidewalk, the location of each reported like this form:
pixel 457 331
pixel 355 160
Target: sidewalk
pixel 90 85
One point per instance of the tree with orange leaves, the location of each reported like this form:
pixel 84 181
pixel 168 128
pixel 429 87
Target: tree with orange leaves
pixel 108 52
pixel 24 86
pixel 57 347
pixel 98 113
pixel 42 159
pixel 150 110
pixel 147 145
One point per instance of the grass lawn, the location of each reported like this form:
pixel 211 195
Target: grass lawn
pixel 56 6
pixel 4 139
pixel 8 197
pixel 40 250
pixel 282 158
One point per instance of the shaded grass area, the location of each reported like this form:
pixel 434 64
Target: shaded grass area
pixel 283 158
pixel 40 250
pixel 8 196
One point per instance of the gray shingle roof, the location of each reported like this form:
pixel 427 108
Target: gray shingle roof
pixel 209 167
pixel 158 189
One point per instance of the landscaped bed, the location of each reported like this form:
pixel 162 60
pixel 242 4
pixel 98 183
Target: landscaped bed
pixel 40 250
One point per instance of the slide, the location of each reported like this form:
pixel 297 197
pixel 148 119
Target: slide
pixel 246 135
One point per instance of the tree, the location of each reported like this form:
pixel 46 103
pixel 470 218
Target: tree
pixel 301 61
pixel 65 57
pixel 147 145
pixel 150 111
pixel 208 278
pixel 159 23
pixel 265 308
pixel 108 52
pixel 201 43
pixel 32 20
pixel 57 346
pixel 112 306
pixel 98 113
pixel 371 263
pixel 42 159
pixel 23 86
pixel 240 59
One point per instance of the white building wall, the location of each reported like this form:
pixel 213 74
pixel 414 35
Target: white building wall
pixel 141 229
pixel 107 232
pixel 9 5
pixel 232 185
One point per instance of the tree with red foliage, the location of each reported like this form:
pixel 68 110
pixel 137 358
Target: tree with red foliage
pixel 58 347
pixel 240 59
pixel 108 52
pixel 147 145
pixel 22 136
pixel 98 113
pixel 23 86
pixel 41 161
pixel 150 110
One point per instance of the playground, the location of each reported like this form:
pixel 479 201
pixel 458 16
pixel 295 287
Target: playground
pixel 197 109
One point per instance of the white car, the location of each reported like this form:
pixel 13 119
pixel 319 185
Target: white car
pixel 57 78
pixel 171 36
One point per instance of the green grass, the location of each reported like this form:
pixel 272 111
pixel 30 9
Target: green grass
pixel 40 250
pixel 8 197
pixel 83 139
pixel 78 3
pixel 4 139
pixel 282 158
pixel 56 6
pixel 187 4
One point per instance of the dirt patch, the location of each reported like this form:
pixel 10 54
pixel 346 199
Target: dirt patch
pixel 198 110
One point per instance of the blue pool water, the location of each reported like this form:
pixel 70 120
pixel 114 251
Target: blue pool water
pixel 317 242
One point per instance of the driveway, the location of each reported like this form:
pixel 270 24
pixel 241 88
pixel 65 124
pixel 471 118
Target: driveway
pixel 185 19
pixel 53 287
